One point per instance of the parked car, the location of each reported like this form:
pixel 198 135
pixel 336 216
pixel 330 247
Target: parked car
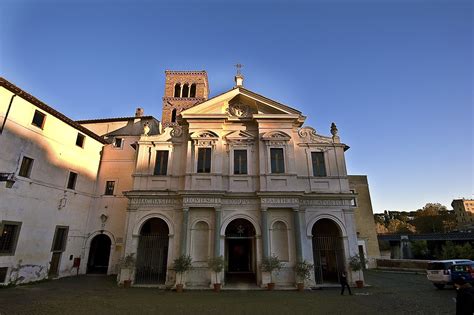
pixel 439 271
pixel 463 270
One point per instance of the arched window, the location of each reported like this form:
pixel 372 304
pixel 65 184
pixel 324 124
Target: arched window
pixel 173 115
pixel 177 90
pixel 200 242
pixel 192 93
pixel 279 241
pixel 185 90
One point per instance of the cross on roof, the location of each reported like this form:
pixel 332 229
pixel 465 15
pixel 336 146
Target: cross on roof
pixel 239 66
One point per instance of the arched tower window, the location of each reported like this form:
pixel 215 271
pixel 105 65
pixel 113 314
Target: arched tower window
pixel 192 93
pixel 185 90
pixel 173 115
pixel 177 90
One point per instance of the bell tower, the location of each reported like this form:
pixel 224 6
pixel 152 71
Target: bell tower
pixel 183 89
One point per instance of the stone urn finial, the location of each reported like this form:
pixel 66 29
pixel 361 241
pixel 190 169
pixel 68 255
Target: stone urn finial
pixel 334 129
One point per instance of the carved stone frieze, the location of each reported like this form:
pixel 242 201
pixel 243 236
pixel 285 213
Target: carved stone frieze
pixel 153 201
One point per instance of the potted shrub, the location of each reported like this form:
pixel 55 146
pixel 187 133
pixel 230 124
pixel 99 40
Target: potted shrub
pixel 128 263
pixel 303 273
pixel 181 264
pixel 216 264
pixel 271 264
pixel 357 263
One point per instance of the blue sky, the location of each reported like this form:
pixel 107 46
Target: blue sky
pixel 395 76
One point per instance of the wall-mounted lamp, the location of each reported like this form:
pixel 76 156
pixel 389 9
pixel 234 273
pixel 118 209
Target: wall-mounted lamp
pixel 8 178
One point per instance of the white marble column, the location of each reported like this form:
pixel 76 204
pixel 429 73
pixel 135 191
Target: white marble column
pixel 184 231
pixel 217 232
pixel 297 229
pixel 264 218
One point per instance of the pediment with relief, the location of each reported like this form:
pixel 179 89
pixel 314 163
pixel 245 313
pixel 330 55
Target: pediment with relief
pixel 204 138
pixel 239 103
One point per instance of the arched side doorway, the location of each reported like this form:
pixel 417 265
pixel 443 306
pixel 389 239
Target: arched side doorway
pixel 99 254
pixel 328 251
pixel 240 251
pixel 152 253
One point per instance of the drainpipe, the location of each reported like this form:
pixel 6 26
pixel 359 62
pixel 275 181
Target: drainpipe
pixel 6 115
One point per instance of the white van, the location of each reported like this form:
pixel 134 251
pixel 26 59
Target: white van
pixel 438 271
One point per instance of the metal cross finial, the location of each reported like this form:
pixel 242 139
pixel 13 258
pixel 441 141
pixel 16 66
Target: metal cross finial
pixel 239 66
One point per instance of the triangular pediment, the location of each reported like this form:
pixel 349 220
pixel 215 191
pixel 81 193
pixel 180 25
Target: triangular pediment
pixel 239 135
pixel 240 103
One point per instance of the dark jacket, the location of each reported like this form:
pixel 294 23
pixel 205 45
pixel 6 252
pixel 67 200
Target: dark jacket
pixel 343 278
pixel 465 300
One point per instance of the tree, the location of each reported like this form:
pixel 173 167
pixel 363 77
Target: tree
pixel 434 218
pixel 420 249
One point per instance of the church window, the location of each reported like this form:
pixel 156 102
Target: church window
pixel 26 166
pixel 277 160
pixel 319 167
pixel 118 143
pixel 80 140
pixel 192 92
pixel 177 90
pixel 161 163
pixel 9 232
pixel 109 187
pixel 173 115
pixel 60 239
pixel 279 241
pixel 71 181
pixel 185 92
pixel 240 161
pixel 38 119
pixel 204 160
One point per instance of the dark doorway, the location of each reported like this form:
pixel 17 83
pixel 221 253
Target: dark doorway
pixel 152 253
pixel 54 264
pixel 99 254
pixel 240 251
pixel 328 251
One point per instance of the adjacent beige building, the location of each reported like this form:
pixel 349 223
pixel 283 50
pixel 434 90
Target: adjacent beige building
pixel 464 210
pixel 365 224
pixel 237 175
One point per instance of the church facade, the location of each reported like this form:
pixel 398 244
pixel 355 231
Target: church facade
pixel 238 176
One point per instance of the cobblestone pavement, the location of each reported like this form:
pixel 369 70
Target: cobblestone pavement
pixel 390 293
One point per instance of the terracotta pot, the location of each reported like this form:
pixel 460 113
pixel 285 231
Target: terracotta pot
pixel 179 288
pixel 300 286
pixel 217 287
pixel 359 284
pixel 270 286
pixel 127 284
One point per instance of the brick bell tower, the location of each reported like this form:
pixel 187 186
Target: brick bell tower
pixel 183 89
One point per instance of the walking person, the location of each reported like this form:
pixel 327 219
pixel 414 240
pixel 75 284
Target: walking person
pixel 344 283
pixel 464 297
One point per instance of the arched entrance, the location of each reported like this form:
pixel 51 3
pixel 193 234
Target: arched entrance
pixel 240 251
pixel 99 254
pixel 152 253
pixel 328 251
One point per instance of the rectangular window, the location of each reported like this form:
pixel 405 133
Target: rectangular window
pixel 354 201
pixel 71 182
pixel 26 166
pixel 319 167
pixel 3 274
pixel 9 237
pixel 80 140
pixel 38 119
pixel 161 163
pixel 109 187
pixel 240 161
pixel 204 160
pixel 277 160
pixel 60 239
pixel 118 142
